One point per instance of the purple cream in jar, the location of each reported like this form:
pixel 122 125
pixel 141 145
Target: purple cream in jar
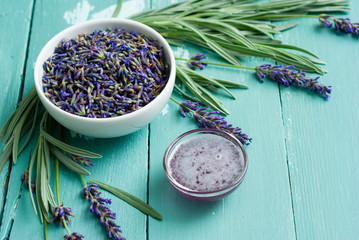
pixel 205 164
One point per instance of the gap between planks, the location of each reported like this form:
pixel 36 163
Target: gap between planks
pixel 19 99
pixel 287 159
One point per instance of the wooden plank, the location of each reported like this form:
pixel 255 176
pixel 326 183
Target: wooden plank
pixel 322 136
pixel 124 162
pixel 261 207
pixel 14 29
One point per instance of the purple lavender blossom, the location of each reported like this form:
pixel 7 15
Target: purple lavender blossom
pixel 74 236
pixel 342 25
pixel 212 119
pixel 25 179
pixel 82 160
pixel 195 61
pixel 98 207
pixel 61 213
pixel 324 20
pixel 288 76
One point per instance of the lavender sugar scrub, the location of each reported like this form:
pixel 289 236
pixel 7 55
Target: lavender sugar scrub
pixel 104 74
pixel 205 164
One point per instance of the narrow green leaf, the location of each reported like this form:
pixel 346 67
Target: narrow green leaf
pixel 5 154
pixel 68 148
pixel 50 196
pixel 38 179
pixel 43 177
pixel 23 105
pixel 68 162
pixel 18 128
pixel 194 89
pixel 5 126
pixel 46 153
pixel 210 80
pixel 130 199
pixel 31 165
pixel 185 94
pixel 214 46
pixel 25 128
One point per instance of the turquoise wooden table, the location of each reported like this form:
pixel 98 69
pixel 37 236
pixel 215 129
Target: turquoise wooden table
pixel 303 175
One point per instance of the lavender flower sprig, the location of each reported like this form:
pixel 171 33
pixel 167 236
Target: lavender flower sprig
pixel 342 25
pixel 288 76
pixel 195 61
pixel 73 236
pixel 99 208
pixel 211 119
pixel 61 214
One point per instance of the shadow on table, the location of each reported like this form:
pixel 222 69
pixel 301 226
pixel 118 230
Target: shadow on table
pixel 175 207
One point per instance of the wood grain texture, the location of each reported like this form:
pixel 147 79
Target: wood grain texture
pixel 14 31
pixel 261 207
pixel 125 159
pixel 322 136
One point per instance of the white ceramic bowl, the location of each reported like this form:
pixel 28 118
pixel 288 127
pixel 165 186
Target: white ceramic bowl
pixel 106 127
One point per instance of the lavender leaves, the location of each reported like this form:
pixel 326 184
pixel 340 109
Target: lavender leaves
pixel 17 126
pixel 231 29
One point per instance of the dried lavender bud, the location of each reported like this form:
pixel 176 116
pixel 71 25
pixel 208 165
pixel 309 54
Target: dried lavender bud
pixel 25 179
pixel 60 213
pixel 74 236
pixel 212 119
pixel 104 74
pixel 288 76
pixel 99 208
pixel 195 61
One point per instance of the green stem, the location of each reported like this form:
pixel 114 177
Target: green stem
pixel 193 112
pixel 45 230
pixel 57 181
pixel 65 226
pixel 83 180
pixel 218 64
pixel 175 101
pixel 118 9
pixel 282 16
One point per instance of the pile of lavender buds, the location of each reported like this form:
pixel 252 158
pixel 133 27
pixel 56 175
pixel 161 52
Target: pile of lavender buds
pixel 105 74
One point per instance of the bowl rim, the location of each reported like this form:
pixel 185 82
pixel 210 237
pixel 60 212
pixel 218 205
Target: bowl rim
pixel 201 193
pixel 62 34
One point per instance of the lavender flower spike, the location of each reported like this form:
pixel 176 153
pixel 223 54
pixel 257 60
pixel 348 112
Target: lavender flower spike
pixel 74 236
pixel 99 208
pixel 288 76
pixel 342 25
pixel 195 61
pixel 212 119
pixel 60 213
